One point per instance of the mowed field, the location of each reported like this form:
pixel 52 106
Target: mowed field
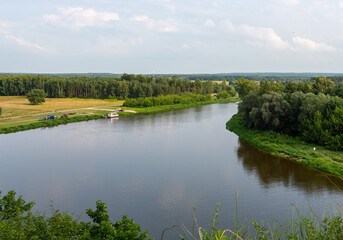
pixel 14 106
pixel 19 105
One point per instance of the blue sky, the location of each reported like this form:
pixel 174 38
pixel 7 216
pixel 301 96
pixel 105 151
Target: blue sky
pixel 171 36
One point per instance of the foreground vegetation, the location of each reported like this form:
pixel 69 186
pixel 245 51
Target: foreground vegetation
pixel 18 221
pixel 289 147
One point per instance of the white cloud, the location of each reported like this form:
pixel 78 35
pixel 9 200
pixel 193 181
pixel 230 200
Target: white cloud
pixel 264 36
pixel 291 2
pixel 115 45
pixel 268 38
pixel 80 17
pixel 27 44
pixel 4 24
pixel 210 23
pixel 310 45
pixel 168 25
pixel 340 5
pixel 260 36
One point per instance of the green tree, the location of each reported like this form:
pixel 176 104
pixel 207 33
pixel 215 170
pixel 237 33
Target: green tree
pixel 245 87
pixel 324 85
pixel 36 96
pixel 223 94
pixel 269 87
pixel 102 228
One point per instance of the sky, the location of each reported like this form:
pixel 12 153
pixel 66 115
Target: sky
pixel 171 36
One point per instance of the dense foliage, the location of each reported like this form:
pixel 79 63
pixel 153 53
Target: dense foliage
pixel 315 118
pixel 17 221
pixel 126 86
pixel 167 100
pixel 36 96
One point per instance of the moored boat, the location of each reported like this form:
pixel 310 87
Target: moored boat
pixel 112 115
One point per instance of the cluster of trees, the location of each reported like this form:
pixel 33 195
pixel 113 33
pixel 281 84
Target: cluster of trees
pixel 315 118
pixel 17 221
pixel 126 86
pixel 318 85
pixel 167 100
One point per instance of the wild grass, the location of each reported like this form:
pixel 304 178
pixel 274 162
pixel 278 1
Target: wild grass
pixel 289 147
pixel 324 227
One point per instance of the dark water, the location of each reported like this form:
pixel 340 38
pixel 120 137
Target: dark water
pixel 154 168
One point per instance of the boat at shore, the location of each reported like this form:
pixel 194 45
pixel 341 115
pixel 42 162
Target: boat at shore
pixel 113 115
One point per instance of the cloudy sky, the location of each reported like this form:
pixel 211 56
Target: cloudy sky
pixel 171 36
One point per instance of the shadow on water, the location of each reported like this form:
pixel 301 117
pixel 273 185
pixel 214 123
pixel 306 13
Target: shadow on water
pixel 272 170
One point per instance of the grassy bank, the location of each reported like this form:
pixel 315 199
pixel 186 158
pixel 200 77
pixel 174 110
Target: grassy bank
pixel 289 147
pixel 49 123
pixel 164 108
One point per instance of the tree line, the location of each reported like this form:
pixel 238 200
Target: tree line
pixel 167 100
pixel 314 113
pixel 126 86
pixel 317 85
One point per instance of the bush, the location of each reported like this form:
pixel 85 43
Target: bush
pixel 18 222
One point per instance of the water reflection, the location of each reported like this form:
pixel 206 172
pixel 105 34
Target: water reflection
pixel 272 170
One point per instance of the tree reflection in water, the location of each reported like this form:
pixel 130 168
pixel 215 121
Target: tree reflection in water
pixel 275 170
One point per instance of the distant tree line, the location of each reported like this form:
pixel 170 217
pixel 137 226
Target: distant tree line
pixel 126 86
pixel 318 85
pixel 315 112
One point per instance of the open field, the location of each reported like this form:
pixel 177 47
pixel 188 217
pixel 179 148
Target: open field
pixel 19 105
pixel 14 106
pixel 289 147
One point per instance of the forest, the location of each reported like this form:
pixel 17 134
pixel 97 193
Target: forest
pixel 126 86
pixel 313 110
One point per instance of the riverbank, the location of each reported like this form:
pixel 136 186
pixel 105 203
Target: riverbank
pixel 21 121
pixel 49 123
pixel 289 147
pixel 164 108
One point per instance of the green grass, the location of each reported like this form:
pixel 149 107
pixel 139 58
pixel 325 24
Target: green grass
pixel 289 147
pixel 163 108
pixel 49 123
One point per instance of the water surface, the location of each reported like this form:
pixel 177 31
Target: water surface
pixel 155 167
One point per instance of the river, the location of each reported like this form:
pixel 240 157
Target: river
pixel 155 167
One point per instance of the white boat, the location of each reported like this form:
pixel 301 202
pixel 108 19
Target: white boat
pixel 112 115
